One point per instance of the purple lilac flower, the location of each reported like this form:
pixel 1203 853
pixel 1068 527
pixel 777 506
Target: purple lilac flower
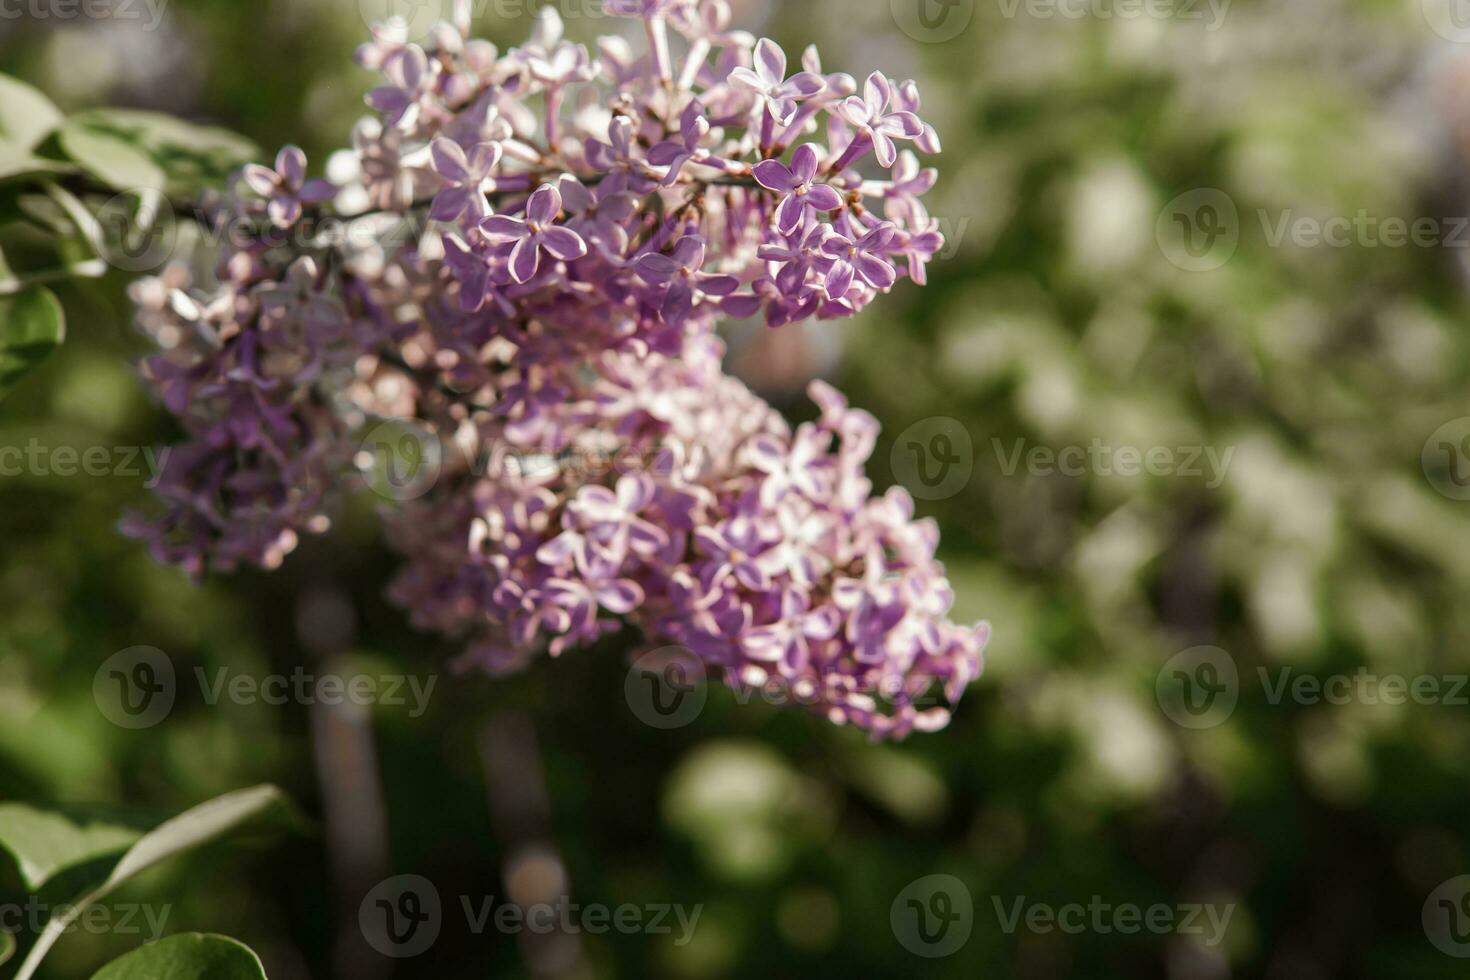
pixel 410 77
pixel 776 92
pixel 466 178
pixel 534 234
pixel 869 114
pixel 286 188
pixel 681 273
pixel 798 186
pixel 864 259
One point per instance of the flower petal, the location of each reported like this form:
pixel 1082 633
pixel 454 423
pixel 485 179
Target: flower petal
pixel 776 176
pixel 804 163
pixel 544 205
pixel 500 229
pixel 261 180
pixel 563 243
pixel 621 597
pixel 291 165
pixel 525 260
pixel 875 271
pixel 656 268
pixel 449 160
pixel 770 62
pixel 689 253
pixel 823 198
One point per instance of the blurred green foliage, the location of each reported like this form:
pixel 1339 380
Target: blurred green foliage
pixel 1056 319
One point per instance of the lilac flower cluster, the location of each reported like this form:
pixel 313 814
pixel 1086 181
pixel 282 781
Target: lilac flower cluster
pixel 579 224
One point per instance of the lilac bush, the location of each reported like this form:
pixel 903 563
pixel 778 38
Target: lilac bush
pixel 542 242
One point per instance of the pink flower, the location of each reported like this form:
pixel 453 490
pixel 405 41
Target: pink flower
pixel 466 178
pixel 776 92
pixel 286 188
pixel 536 233
pixel 869 115
pixel 798 185
pixel 864 259
pixel 681 273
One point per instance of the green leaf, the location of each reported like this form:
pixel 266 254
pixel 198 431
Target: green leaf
pixel 187 155
pixel 17 164
pixel 26 116
pixel 111 155
pixel 190 956
pixel 46 842
pixel 206 822
pixel 7 946
pixel 31 327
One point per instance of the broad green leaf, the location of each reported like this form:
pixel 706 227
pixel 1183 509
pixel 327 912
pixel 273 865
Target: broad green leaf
pixel 16 164
pixel 206 822
pixel 188 156
pixel 110 154
pixel 45 842
pixel 26 116
pixel 31 327
pixel 190 956
pixel 7 946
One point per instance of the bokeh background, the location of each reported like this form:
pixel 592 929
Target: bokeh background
pixel 1067 311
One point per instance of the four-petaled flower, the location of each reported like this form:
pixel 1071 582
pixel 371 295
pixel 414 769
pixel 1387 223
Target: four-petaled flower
pixel 787 640
pixel 536 232
pixel 798 183
pixel 869 115
pixel 611 521
pixel 738 548
pixel 410 76
pixel 286 188
pixel 768 80
pixel 466 178
pixel 862 259
pixel 681 273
